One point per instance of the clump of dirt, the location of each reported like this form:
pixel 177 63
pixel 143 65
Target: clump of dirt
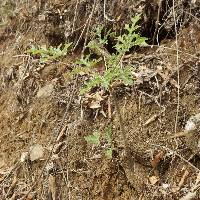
pixel 40 105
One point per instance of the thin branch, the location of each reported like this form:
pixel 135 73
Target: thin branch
pixel 104 12
pixel 157 21
pixel 87 31
pixel 177 65
pixel 75 16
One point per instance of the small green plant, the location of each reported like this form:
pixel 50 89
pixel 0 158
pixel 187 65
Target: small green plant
pixel 88 65
pixel 102 39
pixel 48 54
pixel 114 68
pixel 94 139
pixel 109 152
pixel 129 39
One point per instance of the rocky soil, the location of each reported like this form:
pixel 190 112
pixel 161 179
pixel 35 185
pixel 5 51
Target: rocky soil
pixel 44 121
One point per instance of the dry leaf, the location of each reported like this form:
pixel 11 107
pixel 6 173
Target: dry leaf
pixel 41 17
pixel 151 119
pixel 62 133
pixel 179 134
pixel 186 173
pixel 96 101
pixel 98 96
pixel 155 162
pixel 103 113
pixel 153 180
pixel 189 196
pixel 95 104
pixel 165 186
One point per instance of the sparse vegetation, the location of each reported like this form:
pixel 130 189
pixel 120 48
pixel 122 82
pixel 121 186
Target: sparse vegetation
pixel 95 139
pixel 114 70
pixel 49 54
pixel 102 117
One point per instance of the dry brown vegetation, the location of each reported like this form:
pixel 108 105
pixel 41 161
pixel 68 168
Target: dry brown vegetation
pixel 44 120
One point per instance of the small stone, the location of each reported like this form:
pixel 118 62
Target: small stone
pixel 193 137
pixel 36 152
pixel 190 126
pixel 49 166
pixel 45 91
pixel 41 18
pixel 193 123
pixel 24 156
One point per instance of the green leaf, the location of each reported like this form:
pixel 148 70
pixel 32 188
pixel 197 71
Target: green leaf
pixel 141 41
pixel 96 81
pixel 66 48
pixel 135 19
pixel 102 38
pixel 108 153
pixel 86 61
pixel 93 139
pixel 50 53
pixel 108 134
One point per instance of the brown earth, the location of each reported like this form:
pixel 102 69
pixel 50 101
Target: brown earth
pixel 40 104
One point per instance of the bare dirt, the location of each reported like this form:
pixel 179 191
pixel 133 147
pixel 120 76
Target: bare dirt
pixel 40 105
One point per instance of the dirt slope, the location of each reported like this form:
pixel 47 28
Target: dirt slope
pixel 40 105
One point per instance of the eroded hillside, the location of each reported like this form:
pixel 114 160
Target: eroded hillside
pixel 131 140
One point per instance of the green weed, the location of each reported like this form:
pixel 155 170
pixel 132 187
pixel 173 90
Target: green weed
pixel 94 139
pixel 49 54
pixel 114 67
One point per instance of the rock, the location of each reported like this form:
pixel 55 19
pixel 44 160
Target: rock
pixel 193 123
pixel 193 137
pixel 24 156
pixel 45 91
pixel 36 152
